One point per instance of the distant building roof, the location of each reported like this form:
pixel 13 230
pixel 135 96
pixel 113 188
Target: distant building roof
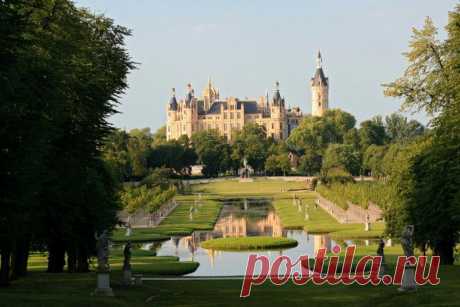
pixel 250 107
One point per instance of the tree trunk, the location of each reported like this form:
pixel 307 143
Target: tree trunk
pixel 56 257
pixel 20 257
pixel 82 261
pixel 71 260
pixel 5 266
pixel 446 252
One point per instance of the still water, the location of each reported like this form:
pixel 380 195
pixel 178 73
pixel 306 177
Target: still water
pixel 239 218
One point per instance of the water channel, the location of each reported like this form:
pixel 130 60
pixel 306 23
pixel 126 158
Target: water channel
pixel 239 218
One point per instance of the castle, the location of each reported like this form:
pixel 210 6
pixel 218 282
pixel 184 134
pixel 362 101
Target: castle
pixel 193 114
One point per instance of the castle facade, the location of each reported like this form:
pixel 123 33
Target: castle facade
pixel 226 116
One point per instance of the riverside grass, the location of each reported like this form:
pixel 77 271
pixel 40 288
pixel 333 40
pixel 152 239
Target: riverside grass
pixel 249 243
pixel 319 221
pixel 143 262
pixel 177 223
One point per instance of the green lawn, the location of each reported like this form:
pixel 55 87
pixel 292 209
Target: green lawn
pixel 319 221
pixel 188 217
pixel 138 235
pixel 143 261
pixel 259 187
pixel 249 243
pixel 53 290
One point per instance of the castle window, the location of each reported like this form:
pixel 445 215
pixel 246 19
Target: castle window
pixel 238 115
pixel 225 115
pixel 231 115
pixel 225 126
pixel 273 126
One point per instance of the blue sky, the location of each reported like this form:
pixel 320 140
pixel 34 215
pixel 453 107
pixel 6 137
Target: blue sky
pixel 246 45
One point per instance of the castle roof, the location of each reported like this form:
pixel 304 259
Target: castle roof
pixel 319 78
pixel 173 100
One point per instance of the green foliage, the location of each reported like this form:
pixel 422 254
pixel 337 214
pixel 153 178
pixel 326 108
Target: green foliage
pixel 251 143
pixel 373 160
pixel 426 183
pixel 64 70
pixel 310 163
pixel 212 151
pixel 372 132
pixel 150 199
pixel 359 193
pixel 278 164
pixel 341 156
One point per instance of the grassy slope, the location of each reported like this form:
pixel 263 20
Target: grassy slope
pixel 249 243
pixel 179 222
pixel 320 221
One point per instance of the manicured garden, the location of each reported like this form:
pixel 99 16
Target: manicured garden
pixel 320 221
pixel 258 187
pixel 249 243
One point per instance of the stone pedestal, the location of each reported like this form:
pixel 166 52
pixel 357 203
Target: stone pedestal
pixel 408 282
pixel 127 278
pixel 103 285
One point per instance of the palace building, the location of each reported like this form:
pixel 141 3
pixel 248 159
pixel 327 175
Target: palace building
pixel 193 114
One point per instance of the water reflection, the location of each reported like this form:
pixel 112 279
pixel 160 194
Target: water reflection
pixel 238 218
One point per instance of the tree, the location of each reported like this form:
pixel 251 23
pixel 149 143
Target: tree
pixel 316 133
pixel 212 151
pixel 341 156
pixel 428 193
pixel 251 143
pixel 278 164
pixel 310 163
pixel 159 137
pixel 372 132
pixel 399 129
pixel 64 70
pixel 373 160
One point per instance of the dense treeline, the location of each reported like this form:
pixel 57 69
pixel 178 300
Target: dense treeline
pixel 62 70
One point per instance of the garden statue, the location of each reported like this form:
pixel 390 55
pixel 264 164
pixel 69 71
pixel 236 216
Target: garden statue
pixel 129 230
pixel 102 246
pixel 127 274
pixel 407 241
pixel 408 282
pixel 380 252
pixel 103 277
pixel 127 256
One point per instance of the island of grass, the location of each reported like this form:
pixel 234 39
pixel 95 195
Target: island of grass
pixel 249 243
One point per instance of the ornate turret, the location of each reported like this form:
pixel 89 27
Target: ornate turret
pixel 190 95
pixel 173 101
pixel 210 94
pixel 277 100
pixel 319 89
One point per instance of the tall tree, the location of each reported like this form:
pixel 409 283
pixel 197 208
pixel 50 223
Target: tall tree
pixel 430 194
pixel 62 70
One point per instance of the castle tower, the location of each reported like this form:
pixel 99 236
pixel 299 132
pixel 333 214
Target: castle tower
pixel 319 89
pixel 210 94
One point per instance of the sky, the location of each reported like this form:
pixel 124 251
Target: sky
pixel 247 45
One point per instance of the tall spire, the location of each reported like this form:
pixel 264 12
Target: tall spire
pixel 319 60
